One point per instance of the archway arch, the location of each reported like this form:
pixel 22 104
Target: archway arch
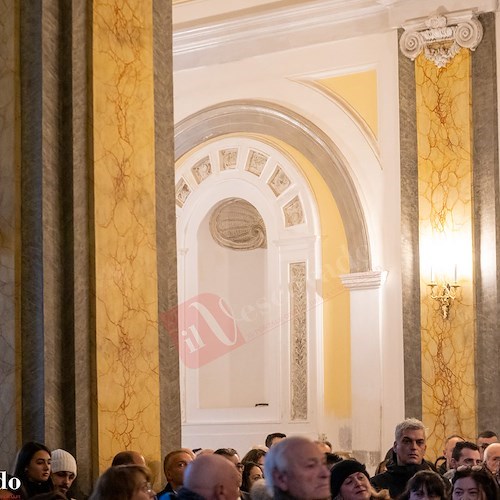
pixel 260 117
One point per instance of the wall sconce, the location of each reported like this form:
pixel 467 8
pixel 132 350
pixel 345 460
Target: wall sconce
pixel 445 294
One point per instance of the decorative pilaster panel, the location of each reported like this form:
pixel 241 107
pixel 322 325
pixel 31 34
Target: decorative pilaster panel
pixel 128 413
pixel 8 213
pixel 298 341
pixel 445 217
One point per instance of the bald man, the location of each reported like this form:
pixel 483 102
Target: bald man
pixel 492 459
pixel 210 477
pixel 128 458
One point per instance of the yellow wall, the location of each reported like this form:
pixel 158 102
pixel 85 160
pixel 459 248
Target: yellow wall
pixel 125 230
pixel 359 92
pixel 445 212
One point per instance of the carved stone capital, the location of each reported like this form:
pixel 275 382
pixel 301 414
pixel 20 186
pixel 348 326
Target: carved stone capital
pixel 441 37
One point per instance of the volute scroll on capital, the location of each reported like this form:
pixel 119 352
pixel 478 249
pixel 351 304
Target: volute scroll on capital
pixel 441 37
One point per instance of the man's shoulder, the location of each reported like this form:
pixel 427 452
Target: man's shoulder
pixel 186 494
pixel 164 493
pixel 396 472
pixel 381 480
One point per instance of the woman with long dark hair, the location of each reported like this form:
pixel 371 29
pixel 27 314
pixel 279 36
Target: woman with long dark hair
pixel 252 472
pixel 33 469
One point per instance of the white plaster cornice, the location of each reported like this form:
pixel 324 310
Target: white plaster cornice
pixel 282 25
pixel 255 32
pixel 364 281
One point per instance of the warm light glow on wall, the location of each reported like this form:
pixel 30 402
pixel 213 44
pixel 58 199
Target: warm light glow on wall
pixel 446 257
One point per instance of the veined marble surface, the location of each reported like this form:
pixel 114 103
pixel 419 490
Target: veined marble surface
pixel 128 414
pixel 8 189
pixel 445 206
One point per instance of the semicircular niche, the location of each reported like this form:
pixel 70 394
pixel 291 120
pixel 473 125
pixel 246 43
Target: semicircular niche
pixel 248 235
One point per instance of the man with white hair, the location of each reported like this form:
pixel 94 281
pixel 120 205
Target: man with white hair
pixel 492 459
pixel 296 469
pixel 63 470
pixel 409 448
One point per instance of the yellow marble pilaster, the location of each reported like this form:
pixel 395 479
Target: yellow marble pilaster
pixel 128 413
pixel 445 212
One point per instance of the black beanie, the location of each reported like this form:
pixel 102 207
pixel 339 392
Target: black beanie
pixel 341 471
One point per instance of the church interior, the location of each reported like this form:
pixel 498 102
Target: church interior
pixel 222 219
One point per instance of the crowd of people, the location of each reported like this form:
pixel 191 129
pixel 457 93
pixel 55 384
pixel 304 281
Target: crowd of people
pixel 286 468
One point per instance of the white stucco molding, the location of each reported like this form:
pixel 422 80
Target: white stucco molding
pixel 366 364
pixel 441 37
pixel 363 281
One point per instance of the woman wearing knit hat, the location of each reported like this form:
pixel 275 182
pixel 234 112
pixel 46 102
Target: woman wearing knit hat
pixel 349 480
pixel 63 469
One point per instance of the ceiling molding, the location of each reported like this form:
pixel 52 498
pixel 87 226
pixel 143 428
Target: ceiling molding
pixel 280 26
pixel 223 39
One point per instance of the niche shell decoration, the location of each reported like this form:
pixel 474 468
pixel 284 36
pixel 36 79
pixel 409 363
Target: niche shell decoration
pixel 236 224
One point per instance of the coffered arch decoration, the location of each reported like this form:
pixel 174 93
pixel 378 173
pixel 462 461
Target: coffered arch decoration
pixel 260 117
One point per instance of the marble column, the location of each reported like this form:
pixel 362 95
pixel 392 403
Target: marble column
pixel 126 227
pixel 9 184
pixel 445 215
pixel 486 189
pixel 86 129
pixel 453 99
pixel 410 271
pixel 170 425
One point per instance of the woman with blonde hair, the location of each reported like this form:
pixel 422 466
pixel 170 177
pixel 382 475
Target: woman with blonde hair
pixel 124 482
pixel 350 480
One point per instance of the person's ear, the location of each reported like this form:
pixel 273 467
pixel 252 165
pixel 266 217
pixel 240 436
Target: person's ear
pixel 395 446
pixel 453 463
pixel 280 479
pixel 219 491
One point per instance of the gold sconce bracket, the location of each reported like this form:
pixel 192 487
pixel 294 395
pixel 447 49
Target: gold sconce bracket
pixel 445 295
